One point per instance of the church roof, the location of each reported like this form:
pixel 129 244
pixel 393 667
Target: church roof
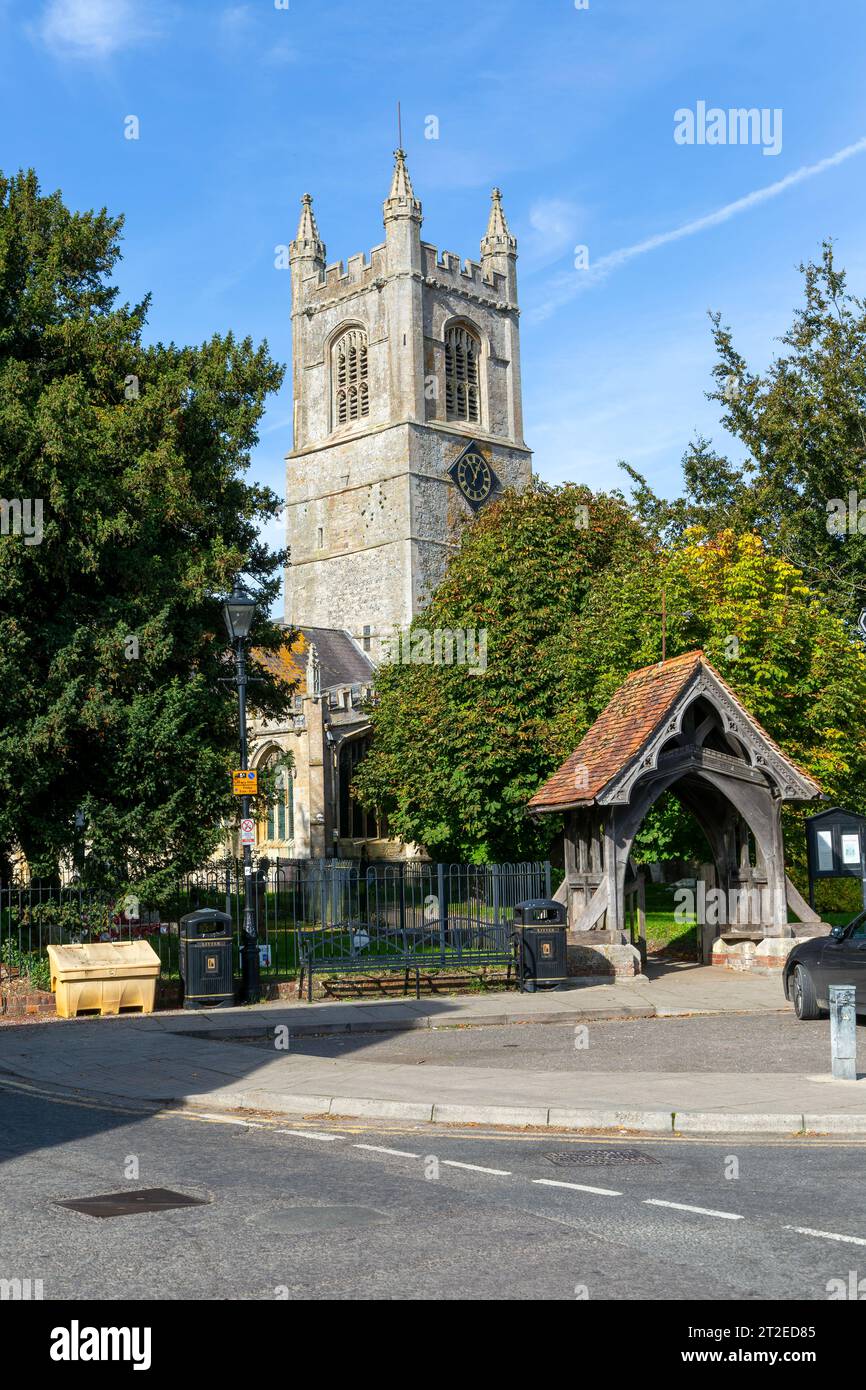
pixel 629 721
pixel 341 661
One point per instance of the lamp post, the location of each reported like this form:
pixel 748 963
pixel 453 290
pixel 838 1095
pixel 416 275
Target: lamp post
pixel 238 610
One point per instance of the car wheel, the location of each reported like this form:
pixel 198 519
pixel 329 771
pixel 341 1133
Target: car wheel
pixel 805 999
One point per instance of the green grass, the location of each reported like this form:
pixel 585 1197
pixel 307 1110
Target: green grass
pixel 667 934
pixel 663 931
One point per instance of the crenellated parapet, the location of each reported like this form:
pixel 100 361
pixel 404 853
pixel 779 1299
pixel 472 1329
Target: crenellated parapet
pixel 360 272
pixel 448 270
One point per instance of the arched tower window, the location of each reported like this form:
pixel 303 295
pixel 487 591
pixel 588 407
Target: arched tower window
pixel 462 354
pixel 349 377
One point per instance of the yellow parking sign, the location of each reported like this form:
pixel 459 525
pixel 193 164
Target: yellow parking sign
pixel 245 782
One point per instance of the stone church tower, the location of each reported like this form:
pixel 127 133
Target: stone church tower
pixel 407 415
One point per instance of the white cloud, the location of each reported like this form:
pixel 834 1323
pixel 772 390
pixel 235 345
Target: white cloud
pixel 234 20
pixel 239 26
pixel 281 53
pixel 553 223
pixel 565 286
pixel 96 28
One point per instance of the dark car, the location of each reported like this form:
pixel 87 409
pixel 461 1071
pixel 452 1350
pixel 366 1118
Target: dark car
pixel 821 961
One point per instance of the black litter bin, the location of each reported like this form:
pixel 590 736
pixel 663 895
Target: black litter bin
pixel 540 932
pixel 205 942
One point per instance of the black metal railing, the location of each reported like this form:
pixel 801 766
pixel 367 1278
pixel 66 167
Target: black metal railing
pixel 450 911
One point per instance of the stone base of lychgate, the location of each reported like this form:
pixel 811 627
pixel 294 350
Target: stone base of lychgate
pixel 602 961
pixel 766 956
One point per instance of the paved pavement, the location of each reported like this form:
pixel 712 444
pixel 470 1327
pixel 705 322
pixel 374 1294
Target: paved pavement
pixel 176 1059
pixel 344 1211
pixel 774 1042
pixel 671 988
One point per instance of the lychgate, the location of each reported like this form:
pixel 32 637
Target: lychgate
pixel 677 726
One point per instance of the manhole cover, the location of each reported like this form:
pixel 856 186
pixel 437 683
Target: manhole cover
pixel 131 1203
pixel 599 1158
pixel 304 1220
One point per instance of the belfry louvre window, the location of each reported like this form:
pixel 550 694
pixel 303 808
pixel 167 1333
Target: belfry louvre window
pixel 349 376
pixel 462 351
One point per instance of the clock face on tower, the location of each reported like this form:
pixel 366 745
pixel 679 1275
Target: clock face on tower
pixel 474 476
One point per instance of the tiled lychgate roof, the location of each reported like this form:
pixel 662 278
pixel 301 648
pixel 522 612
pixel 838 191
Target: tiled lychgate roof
pixel 631 717
pixel 621 730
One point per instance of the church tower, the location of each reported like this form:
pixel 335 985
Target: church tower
pixel 407 415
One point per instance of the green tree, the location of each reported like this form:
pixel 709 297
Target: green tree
pixel 570 614
pixel 112 653
pixel 782 649
pixel 457 754
pixel 803 426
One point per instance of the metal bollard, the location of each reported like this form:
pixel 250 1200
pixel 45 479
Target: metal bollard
pixel 843 1032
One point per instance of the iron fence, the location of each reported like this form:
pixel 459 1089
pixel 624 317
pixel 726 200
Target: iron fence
pixel 452 910
pixel 442 914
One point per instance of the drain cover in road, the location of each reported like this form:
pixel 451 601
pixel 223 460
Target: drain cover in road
pixel 302 1220
pixel 131 1203
pixel 599 1158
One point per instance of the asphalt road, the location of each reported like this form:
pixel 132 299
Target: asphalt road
pixel 321 1211
pixel 724 1042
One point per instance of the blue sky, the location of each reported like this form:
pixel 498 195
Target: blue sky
pixel 243 107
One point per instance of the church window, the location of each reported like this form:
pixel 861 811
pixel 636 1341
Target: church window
pixel 462 353
pixel 355 821
pixel 281 811
pixel 349 376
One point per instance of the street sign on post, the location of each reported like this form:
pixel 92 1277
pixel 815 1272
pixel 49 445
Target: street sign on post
pixel 248 832
pixel 245 782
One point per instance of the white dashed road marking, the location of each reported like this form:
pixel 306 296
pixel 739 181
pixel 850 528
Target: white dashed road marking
pixel 476 1168
pixel 825 1235
pixel 311 1134
pixel 699 1211
pixel 377 1149
pixel 538 1182
pixel 577 1187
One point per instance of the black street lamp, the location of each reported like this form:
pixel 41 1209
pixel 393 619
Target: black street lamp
pixel 238 610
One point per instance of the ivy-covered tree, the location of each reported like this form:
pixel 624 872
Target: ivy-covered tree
pixel 112 650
